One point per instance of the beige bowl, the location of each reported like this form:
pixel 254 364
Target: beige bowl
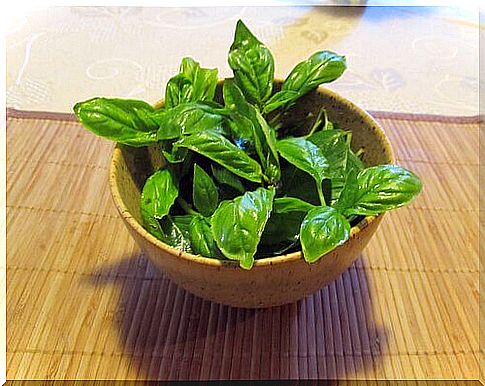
pixel 272 281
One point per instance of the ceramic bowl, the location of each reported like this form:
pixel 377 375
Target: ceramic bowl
pixel 274 280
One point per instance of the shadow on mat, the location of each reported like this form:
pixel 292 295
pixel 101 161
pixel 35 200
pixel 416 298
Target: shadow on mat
pixel 169 334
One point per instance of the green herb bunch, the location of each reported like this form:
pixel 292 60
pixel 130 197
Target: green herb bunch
pixel 240 182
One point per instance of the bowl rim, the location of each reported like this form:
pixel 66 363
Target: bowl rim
pixel 272 260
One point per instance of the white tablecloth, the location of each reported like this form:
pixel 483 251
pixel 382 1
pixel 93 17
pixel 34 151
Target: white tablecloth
pixel 409 59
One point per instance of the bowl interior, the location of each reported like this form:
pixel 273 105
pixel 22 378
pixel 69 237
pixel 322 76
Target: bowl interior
pixel 132 166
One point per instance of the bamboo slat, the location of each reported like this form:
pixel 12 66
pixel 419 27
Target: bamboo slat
pixel 84 303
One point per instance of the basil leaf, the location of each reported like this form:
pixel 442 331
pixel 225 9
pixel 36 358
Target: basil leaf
pixel 282 228
pixel 237 225
pixel 281 235
pixel 238 111
pixel 279 99
pixel 175 156
pixel 157 197
pixel 234 98
pixel 176 232
pixel 297 183
pixel 125 121
pixel 252 64
pixel 334 147
pixel 305 156
pixel 241 132
pixel 201 237
pixel 290 205
pixel 353 164
pixel 322 229
pixel 205 195
pixel 219 149
pixel 321 67
pixel 265 144
pixel 192 84
pixel 249 126
pixel 378 189
pixel 225 177
pixel 188 118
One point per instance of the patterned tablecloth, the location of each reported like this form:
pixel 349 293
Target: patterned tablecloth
pixel 409 59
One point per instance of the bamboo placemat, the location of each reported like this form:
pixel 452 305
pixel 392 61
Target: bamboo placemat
pixel 84 303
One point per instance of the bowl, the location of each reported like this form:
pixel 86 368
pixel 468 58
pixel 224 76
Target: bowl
pixel 274 280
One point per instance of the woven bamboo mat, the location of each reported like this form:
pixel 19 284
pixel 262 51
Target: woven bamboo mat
pixel 84 303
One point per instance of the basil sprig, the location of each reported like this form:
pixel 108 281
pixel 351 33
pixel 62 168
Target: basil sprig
pixel 240 183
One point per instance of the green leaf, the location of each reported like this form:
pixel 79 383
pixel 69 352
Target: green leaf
pixel 353 164
pixel 219 149
pixel 176 232
pixel 252 64
pixel 283 227
pixel 305 156
pixel 282 230
pixel 157 197
pixel 249 126
pixel 175 156
pixel 290 205
pixel 281 234
pixel 237 225
pixel 205 195
pixel 334 147
pixel 266 148
pixel 321 67
pixel 225 177
pixel 234 98
pixel 125 121
pixel 279 99
pixel 192 84
pixel 297 183
pixel 238 111
pixel 378 189
pixel 201 237
pixel 322 230
pixel 188 118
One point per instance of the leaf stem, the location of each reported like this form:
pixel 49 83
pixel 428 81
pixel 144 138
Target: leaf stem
pixel 185 206
pixel 274 121
pixel 359 152
pixel 318 121
pixel 320 194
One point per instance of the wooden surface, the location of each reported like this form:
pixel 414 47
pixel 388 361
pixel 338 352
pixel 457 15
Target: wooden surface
pixel 83 303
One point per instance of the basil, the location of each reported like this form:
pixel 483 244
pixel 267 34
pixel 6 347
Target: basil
pixel 239 182
pixel 157 197
pixel 176 232
pixel 291 204
pixel 192 84
pixel 237 225
pixel 378 189
pixel 201 238
pixel 126 121
pixel 219 149
pixel 225 177
pixel 321 67
pixel 322 230
pixel 252 64
pixel 204 192
pixel 188 118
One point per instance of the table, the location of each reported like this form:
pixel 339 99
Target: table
pixel 408 59
pixel 83 302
